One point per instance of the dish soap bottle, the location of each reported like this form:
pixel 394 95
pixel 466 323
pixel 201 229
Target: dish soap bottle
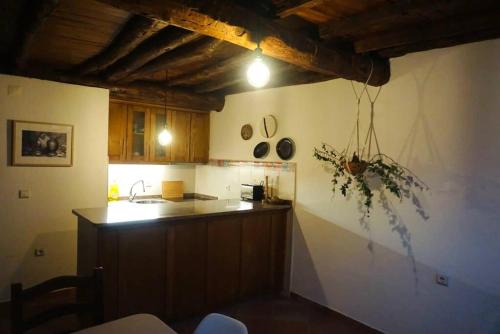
pixel 113 192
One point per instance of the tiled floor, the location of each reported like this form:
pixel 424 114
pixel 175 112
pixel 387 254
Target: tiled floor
pixel 265 316
pixel 284 316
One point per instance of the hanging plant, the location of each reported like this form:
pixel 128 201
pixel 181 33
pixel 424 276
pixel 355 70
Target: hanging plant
pixel 354 166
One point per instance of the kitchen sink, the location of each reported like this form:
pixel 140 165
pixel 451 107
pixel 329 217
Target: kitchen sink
pixel 149 201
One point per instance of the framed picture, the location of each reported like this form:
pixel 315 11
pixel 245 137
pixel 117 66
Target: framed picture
pixel 42 144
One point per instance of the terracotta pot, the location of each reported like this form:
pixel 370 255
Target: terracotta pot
pixel 356 167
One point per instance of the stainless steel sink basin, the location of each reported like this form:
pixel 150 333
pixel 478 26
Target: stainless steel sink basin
pixel 149 201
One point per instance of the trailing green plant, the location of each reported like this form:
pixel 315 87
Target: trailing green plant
pixel 354 174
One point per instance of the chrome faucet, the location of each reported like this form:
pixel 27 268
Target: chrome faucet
pixel 132 196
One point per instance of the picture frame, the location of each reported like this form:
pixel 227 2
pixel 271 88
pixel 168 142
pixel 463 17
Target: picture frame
pixel 41 144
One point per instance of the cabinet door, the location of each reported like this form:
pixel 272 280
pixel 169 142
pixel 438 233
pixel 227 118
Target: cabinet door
pixel 255 255
pixel 278 250
pixel 137 133
pixel 200 137
pixel 141 271
pixel 117 125
pixel 158 153
pixel 223 260
pixel 181 127
pixel 187 268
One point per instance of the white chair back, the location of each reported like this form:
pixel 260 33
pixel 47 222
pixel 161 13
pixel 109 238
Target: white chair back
pixel 220 324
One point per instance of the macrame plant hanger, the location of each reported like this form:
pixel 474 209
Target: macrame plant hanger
pixel 355 132
pixel 371 134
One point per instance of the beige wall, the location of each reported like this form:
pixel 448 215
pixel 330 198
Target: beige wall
pixel 439 116
pixel 45 220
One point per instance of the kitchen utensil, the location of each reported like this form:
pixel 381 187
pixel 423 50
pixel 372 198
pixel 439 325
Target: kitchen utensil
pixel 246 131
pixel 261 150
pixel 268 126
pixel 172 189
pixel 285 148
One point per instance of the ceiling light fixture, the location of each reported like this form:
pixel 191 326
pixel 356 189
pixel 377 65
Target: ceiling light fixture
pixel 165 137
pixel 258 73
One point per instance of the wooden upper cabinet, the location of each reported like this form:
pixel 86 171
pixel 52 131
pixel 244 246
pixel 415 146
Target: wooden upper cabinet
pixel 181 129
pixel 200 137
pixel 158 120
pixel 117 127
pixel 138 133
pixel 134 128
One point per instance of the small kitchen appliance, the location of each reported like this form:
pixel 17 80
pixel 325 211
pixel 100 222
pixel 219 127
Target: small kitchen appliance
pixel 250 192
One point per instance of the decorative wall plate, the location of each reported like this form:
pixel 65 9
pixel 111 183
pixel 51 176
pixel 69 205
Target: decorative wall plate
pixel 261 150
pixel 285 148
pixel 246 131
pixel 268 126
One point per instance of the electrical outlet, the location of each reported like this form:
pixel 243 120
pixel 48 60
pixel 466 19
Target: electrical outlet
pixel 442 279
pixel 228 187
pixel 39 252
pixel 24 193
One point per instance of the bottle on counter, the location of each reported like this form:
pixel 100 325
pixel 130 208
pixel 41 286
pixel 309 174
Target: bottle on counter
pixel 113 191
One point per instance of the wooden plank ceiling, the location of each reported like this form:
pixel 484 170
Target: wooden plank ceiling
pixel 197 50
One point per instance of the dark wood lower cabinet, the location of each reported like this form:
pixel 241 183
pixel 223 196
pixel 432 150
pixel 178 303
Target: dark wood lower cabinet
pixel 255 255
pixel 179 269
pixel 223 260
pixel 187 269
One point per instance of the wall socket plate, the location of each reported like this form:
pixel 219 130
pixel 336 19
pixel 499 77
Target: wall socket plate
pixel 442 279
pixel 39 252
pixel 24 193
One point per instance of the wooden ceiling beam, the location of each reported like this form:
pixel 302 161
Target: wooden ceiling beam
pixel 32 21
pixel 430 31
pixel 234 24
pixel 291 7
pixel 440 43
pixel 200 53
pixel 211 71
pixel 286 79
pixel 415 10
pixel 164 41
pixel 134 32
pixel 234 78
pixel 149 91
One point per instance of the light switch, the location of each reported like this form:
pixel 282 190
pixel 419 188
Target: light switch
pixel 24 193
pixel 13 90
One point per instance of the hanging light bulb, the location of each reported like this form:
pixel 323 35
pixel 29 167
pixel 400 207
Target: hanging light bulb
pixel 165 137
pixel 258 73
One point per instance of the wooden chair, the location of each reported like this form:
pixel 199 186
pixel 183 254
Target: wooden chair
pixel 88 301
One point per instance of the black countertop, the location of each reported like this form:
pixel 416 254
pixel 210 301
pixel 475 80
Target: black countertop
pixel 126 213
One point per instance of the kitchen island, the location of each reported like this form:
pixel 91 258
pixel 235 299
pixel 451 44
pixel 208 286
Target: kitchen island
pixel 177 260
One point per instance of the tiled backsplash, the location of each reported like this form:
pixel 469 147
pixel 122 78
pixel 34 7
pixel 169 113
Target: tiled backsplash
pixel 223 178
pixel 153 175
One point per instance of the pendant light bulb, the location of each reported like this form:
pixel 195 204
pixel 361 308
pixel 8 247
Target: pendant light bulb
pixel 258 73
pixel 165 137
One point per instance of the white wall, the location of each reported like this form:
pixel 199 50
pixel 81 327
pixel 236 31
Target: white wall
pixel 152 175
pixel 45 220
pixel 439 116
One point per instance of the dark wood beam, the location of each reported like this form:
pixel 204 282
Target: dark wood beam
pixel 200 53
pixel 32 21
pixel 399 12
pixel 430 31
pixel 238 77
pixel 155 46
pixel 291 7
pixel 232 23
pixel 286 79
pixel 440 43
pixel 213 70
pixel 147 91
pixel 134 32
